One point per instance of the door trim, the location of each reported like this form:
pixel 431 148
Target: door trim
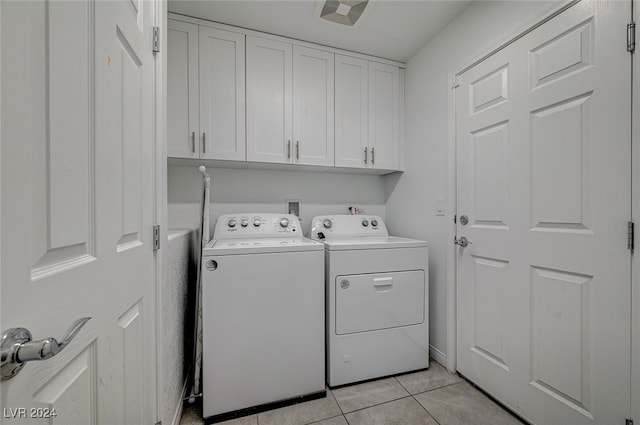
pixel 520 30
pixel 635 214
pixel 160 188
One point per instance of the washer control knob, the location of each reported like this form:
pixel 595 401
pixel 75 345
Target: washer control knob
pixel 327 223
pixel 244 222
pixel 365 223
pixel 374 223
pixel 232 223
pixel 284 222
pixel 256 222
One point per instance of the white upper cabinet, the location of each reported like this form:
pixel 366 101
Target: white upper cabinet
pixel 313 109
pixel 384 111
pixel 351 111
pixel 205 99
pixel 289 103
pixel 238 95
pixel 183 128
pixel 222 102
pixel 368 110
pixel 269 100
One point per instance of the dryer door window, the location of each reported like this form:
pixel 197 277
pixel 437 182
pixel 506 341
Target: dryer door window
pixel 368 302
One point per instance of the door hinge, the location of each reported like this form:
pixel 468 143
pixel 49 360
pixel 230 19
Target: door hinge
pixel 630 235
pixel 156 39
pixel 628 422
pixel 455 218
pixel 631 37
pixel 156 237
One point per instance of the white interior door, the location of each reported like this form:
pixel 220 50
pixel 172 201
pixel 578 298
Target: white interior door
pixel 77 207
pixel 544 177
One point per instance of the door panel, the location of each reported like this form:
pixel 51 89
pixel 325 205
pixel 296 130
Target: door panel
pixel 369 302
pixel 313 116
pixel 384 106
pixel 183 127
pixel 77 205
pixel 351 111
pixel 269 98
pixel 222 94
pixel 543 141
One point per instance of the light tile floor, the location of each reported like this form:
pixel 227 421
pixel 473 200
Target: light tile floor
pixel 431 397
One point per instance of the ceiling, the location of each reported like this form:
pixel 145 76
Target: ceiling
pixel 390 29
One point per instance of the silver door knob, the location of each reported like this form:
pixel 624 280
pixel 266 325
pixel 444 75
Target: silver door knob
pixel 17 348
pixel 461 241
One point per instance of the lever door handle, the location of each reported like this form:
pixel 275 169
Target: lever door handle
pixel 17 347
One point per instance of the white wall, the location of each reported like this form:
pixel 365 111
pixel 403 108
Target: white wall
pixel 411 204
pixel 248 190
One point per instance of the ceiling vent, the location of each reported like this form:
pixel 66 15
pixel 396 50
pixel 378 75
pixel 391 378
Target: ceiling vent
pixel 345 12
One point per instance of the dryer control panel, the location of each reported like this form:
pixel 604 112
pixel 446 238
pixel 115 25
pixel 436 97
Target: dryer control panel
pixel 347 225
pixel 257 225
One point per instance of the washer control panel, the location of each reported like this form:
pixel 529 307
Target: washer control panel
pixel 337 226
pixel 265 225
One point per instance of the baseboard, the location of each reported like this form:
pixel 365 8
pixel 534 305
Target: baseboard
pixel 438 356
pixel 178 415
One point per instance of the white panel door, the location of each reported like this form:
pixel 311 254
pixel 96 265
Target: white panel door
pixel 222 86
pixel 384 112
pixel 544 177
pixel 351 111
pixel 183 128
pixel 77 207
pixel 313 132
pixel 269 98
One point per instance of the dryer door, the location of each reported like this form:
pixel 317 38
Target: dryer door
pixel 368 302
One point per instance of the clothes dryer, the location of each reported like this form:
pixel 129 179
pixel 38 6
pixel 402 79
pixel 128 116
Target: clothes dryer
pixel 377 299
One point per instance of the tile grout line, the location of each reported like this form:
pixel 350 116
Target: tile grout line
pixel 378 404
pixel 438 388
pixel 425 409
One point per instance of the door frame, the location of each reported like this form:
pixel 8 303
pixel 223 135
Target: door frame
pixel 545 14
pixel 160 189
pixel 635 216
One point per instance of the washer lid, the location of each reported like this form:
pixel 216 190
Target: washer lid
pixel 260 246
pixel 372 242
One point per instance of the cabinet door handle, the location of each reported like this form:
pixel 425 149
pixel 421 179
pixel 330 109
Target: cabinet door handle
pixel 204 142
pixel 297 149
pixel 365 155
pixel 373 156
pixel 193 142
pixel 288 149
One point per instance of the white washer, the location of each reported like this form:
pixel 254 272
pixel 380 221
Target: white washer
pixel 263 315
pixel 377 292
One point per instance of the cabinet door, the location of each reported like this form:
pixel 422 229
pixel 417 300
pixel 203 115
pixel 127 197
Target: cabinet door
pixel 222 85
pixel 351 106
pixel 269 98
pixel 384 107
pixel 313 106
pixel 182 90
